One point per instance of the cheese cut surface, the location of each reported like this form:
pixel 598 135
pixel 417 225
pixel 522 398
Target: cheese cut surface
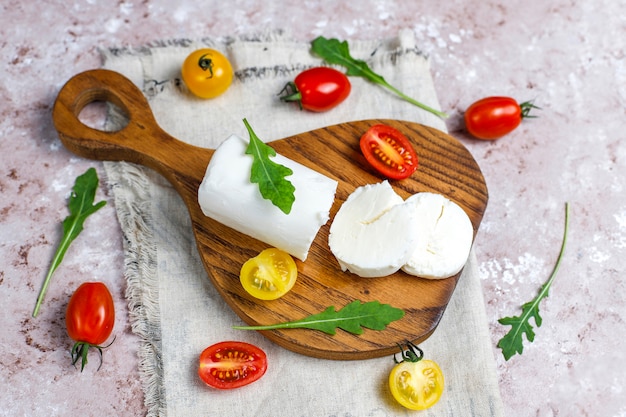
pixel 444 237
pixel 373 233
pixel 227 196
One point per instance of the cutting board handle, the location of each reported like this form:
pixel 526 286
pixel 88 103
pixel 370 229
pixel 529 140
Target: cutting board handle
pixel 140 141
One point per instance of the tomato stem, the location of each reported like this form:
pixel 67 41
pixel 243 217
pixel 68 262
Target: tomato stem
pixel 526 107
pixel 412 354
pixel 81 349
pixel 293 94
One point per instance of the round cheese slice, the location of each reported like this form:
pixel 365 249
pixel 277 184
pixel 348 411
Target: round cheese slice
pixel 444 237
pixel 373 233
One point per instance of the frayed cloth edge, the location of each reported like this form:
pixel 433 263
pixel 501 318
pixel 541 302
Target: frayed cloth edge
pixel 133 212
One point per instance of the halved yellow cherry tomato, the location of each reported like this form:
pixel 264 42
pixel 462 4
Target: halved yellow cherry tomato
pixel 416 383
pixel 269 275
pixel 207 73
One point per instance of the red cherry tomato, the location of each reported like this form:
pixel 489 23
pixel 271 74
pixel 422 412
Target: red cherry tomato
pixel 318 89
pixel 228 365
pixel 89 319
pixel 493 117
pixel 389 152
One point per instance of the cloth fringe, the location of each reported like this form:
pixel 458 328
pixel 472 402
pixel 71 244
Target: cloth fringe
pixel 383 53
pixel 142 280
pixel 140 254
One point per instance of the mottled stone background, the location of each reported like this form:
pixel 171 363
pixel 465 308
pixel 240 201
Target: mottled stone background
pixel 567 56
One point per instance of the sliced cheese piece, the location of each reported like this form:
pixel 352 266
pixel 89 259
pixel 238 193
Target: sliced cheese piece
pixel 373 233
pixel 444 237
pixel 227 195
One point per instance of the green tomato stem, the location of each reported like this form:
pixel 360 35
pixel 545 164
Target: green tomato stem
pixel 292 94
pixel 526 107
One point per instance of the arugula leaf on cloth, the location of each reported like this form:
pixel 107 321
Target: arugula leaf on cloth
pixel 80 206
pixel 512 342
pixel 351 318
pixel 335 52
pixel 268 174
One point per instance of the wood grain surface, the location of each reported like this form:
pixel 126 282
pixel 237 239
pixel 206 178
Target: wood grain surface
pixel 445 166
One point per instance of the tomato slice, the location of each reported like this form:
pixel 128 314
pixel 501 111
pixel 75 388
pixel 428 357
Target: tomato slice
pixel 229 364
pixel 416 385
pixel 269 275
pixel 389 152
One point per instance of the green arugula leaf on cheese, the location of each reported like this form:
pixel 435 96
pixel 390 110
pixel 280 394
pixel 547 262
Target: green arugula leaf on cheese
pixel 268 174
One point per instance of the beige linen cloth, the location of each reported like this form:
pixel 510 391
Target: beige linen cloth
pixel 175 309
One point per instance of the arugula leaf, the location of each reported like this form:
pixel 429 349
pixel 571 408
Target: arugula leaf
pixel 268 174
pixel 335 52
pixel 512 342
pixel 352 318
pixel 80 206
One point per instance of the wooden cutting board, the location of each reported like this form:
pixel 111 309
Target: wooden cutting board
pixel 445 166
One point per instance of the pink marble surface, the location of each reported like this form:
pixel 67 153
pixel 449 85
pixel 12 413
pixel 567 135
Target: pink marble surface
pixel 568 56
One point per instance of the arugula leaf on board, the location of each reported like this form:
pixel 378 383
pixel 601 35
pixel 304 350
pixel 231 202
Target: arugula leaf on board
pixel 335 52
pixel 351 318
pixel 268 174
pixel 512 342
pixel 80 206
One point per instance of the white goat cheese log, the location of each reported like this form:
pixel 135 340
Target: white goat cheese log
pixel 227 196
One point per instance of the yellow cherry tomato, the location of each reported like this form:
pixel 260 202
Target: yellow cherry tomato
pixel 207 73
pixel 269 275
pixel 416 383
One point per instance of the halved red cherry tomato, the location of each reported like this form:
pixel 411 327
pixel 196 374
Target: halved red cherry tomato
pixel 318 89
pixel 89 319
pixel 269 275
pixel 414 382
pixel 389 152
pixel 229 364
pixel 207 73
pixel 493 117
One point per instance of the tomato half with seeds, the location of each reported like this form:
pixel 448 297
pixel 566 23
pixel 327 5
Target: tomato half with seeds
pixel 416 383
pixel 230 364
pixel 89 319
pixel 491 118
pixel 269 275
pixel 318 89
pixel 389 151
pixel 207 73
